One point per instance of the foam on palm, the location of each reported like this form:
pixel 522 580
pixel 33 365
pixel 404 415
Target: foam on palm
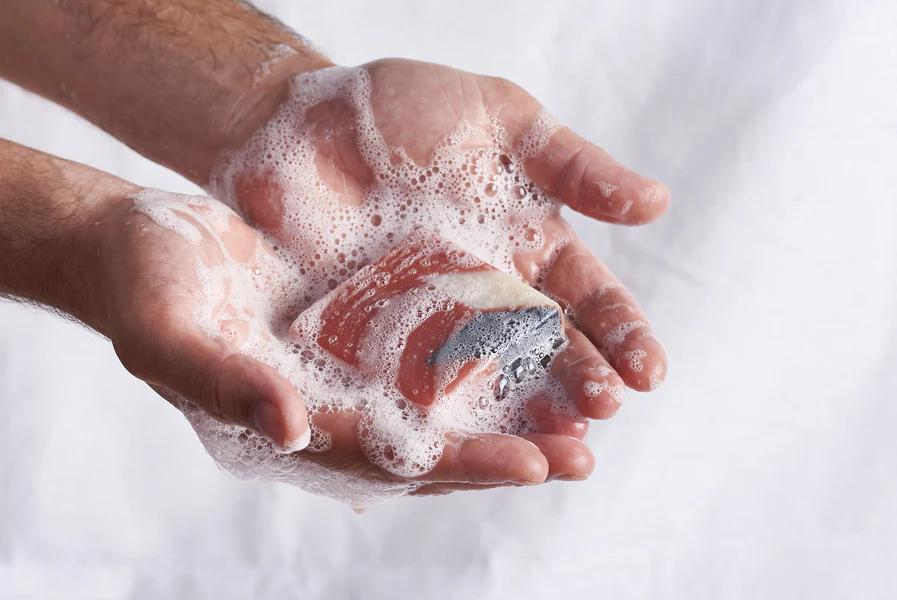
pixel 475 195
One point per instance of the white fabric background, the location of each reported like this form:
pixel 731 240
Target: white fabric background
pixel 766 467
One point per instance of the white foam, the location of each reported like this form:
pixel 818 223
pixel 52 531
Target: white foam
pixel 634 358
pixel 618 333
pixel 274 54
pixel 155 205
pixel 474 194
pixel 593 389
pixel 607 188
pixel 657 376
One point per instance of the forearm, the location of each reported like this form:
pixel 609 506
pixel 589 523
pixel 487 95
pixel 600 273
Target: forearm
pixel 179 81
pixel 47 206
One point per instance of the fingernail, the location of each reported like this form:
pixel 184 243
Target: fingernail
pixel 301 443
pixel 567 477
pixel 268 422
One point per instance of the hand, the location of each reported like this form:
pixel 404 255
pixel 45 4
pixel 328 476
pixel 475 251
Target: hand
pixel 177 301
pixel 221 101
pixel 74 239
pixel 416 107
pixel 187 285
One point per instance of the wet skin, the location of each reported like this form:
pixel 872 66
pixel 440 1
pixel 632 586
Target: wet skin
pixel 609 326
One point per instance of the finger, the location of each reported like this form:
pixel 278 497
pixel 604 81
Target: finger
pixel 590 181
pixel 345 453
pixel 588 378
pixel 569 459
pixel 547 419
pixel 483 459
pixel 608 314
pixel 443 489
pixel 230 386
pixel 490 458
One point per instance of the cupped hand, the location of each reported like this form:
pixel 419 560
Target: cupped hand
pixel 323 152
pixel 415 107
pixel 179 279
pixel 187 292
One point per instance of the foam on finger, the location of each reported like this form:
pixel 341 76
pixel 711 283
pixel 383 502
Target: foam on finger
pixel 473 192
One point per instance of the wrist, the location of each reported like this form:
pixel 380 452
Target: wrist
pixel 48 211
pixel 251 105
pixel 106 205
pixel 218 107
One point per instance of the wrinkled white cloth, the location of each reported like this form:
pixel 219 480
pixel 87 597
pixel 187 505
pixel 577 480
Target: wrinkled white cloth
pixel 765 467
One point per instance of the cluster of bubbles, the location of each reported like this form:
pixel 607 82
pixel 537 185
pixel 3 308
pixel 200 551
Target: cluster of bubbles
pixel 474 195
pixel 399 435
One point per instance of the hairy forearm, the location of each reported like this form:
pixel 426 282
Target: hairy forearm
pixel 180 81
pixel 47 206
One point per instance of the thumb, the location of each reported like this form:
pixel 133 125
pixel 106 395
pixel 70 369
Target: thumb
pixel 230 386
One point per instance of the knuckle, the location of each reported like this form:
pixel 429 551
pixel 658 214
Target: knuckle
pixel 570 178
pixel 211 393
pixel 132 360
pixel 503 83
pixel 508 91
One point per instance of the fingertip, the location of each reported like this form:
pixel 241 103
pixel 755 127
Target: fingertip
pixel 638 201
pixel 589 180
pixel 568 458
pixel 580 465
pixel 588 378
pixel 642 363
pixel 279 412
pixel 652 203
pixel 287 433
pixel 300 443
pixel 525 463
pixel 602 396
pixel 533 471
pixel 297 431
pixel 493 458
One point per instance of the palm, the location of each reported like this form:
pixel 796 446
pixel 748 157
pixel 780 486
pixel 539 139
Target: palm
pixel 194 284
pixel 311 174
pixel 193 274
pixel 415 107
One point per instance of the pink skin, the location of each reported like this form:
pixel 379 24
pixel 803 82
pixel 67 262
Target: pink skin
pixel 152 295
pixel 416 105
pixel 139 280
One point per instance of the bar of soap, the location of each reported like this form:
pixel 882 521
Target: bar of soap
pixel 431 320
